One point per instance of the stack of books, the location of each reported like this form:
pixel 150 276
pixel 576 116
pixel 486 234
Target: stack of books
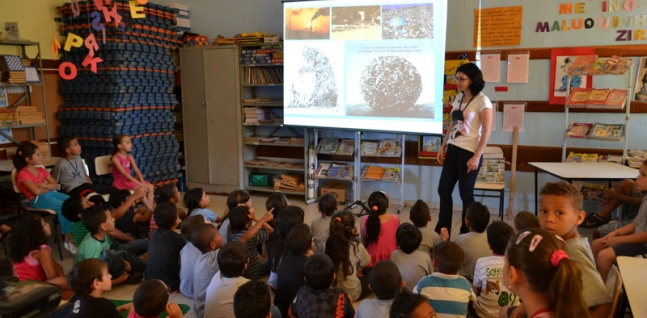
pixel 13 69
pixel 255 115
pixel 9 116
pixel 29 115
pixel 289 181
pixel 492 169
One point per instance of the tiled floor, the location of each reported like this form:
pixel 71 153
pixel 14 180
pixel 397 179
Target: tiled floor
pixel 125 292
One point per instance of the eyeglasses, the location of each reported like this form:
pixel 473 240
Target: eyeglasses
pixel 461 79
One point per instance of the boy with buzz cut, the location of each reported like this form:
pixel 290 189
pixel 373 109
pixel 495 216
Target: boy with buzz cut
pixel 207 240
pixel 474 243
pixel 492 294
pixel 241 229
pixel 420 216
pixel 70 171
pixel 447 291
pixel 560 212
pixel 385 281
pixel 252 300
pixel 317 298
pixel 525 220
pixel 219 296
pixel 412 263
pixel 164 247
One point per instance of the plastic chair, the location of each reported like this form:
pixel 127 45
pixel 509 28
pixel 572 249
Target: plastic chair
pixel 102 166
pixel 486 188
pixel 106 197
pixel 618 305
pixel 23 206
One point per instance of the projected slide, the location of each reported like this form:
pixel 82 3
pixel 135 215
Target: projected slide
pixel 367 65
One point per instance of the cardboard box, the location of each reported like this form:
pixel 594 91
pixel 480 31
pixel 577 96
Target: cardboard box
pixel 44 148
pixel 338 190
pixel 261 179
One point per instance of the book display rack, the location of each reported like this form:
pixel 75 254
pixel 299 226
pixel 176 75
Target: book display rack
pixel 599 98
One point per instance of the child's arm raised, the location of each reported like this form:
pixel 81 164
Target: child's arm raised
pixel 136 169
pixel 116 164
pixel 251 232
pixel 140 192
pixel 118 234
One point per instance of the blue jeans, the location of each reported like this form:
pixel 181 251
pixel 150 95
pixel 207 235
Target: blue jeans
pixel 455 170
pixel 53 200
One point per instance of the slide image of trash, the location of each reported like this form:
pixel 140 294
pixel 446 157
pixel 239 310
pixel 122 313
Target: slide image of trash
pixel 356 23
pixel 408 21
pixel 307 23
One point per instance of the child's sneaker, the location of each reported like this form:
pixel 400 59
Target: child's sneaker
pixel 69 247
pixel 593 221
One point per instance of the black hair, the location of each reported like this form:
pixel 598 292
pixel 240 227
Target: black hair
pixel 64 142
pixel 6 269
pixel 118 197
pixel 277 201
pixel 72 208
pixel 116 140
pixel 498 235
pixel 478 215
pixel 328 204
pixel 474 73
pixel 234 199
pixel 202 236
pixel 96 198
pixel 563 189
pixel 26 236
pixel 232 259
pixel 385 279
pixel 525 220
pixel 408 237
pixel 150 298
pixel 93 217
pixel 24 151
pixel 340 235
pixel 252 300
pixel 82 275
pixel 299 240
pixel 419 214
pixel 276 246
pixel 239 218
pixel 405 303
pixel 188 226
pixel 192 199
pixel 449 257
pixel 378 202
pixel 319 271
pixel 166 192
pixel 165 215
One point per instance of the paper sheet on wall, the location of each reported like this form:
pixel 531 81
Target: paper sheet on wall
pixel 497 26
pixel 518 65
pixel 513 116
pixel 490 66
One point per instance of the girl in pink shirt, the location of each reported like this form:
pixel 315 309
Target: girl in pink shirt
pixel 379 227
pixel 32 257
pixel 123 165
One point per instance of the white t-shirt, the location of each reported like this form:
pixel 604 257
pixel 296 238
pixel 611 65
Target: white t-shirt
pixel 488 276
pixel 467 133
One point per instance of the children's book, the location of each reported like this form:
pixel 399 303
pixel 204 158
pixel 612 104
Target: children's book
pixel 574 157
pixel 578 130
pixel 592 191
pixel 328 145
pixel 607 131
pixel 578 96
pixel 389 148
pixel 598 96
pixel 492 171
pixel 322 171
pixel 346 147
pixel 391 175
pixel 616 98
pixel 340 171
pixel 581 64
pixel 374 173
pixel 368 148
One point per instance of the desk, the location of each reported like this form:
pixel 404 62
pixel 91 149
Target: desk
pixel 587 171
pixel 6 166
pixel 632 270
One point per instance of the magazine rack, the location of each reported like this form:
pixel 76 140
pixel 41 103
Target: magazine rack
pixel 581 66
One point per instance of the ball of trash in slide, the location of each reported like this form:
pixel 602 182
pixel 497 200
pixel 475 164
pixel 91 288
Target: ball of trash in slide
pixel 390 82
pixel 316 86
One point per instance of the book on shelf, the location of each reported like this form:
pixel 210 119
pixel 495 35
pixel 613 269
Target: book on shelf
pixel 368 148
pixel 578 96
pixel 607 131
pixel 614 65
pixel 340 171
pixel 591 190
pixel 374 173
pixel 597 98
pixel 389 148
pixel 581 64
pixel 346 147
pixel 582 157
pixel 616 99
pixel 492 171
pixel 578 130
pixel 322 170
pixel 391 175
pixel 328 146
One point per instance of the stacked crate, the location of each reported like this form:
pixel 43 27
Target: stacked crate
pixel 132 91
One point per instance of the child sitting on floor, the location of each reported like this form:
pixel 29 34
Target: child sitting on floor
pixel 189 254
pixel 320 225
pixel 385 281
pixel 164 247
pixel 89 279
pixel 151 300
pixel 206 238
pixel 474 243
pixel 412 263
pixel 420 216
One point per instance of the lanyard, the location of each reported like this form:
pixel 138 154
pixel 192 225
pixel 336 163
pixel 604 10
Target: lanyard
pixel 461 102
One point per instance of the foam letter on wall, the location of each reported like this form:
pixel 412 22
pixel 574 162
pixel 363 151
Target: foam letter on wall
pixel 91 44
pixel 136 10
pixel 112 14
pixel 67 66
pixel 95 18
pixel 56 46
pixel 142 1
pixel 99 4
pixel 92 60
pixel 72 40
pixel 74 4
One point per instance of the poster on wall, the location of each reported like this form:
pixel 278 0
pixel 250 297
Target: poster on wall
pixel 560 60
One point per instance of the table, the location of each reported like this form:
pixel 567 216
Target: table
pixel 632 270
pixel 587 171
pixel 6 166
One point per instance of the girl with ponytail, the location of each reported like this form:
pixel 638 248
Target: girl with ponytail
pixel 349 256
pixel 379 227
pixel 539 271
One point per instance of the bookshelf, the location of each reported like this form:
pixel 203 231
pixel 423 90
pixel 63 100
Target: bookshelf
pixel 591 65
pixel 11 113
pixel 273 156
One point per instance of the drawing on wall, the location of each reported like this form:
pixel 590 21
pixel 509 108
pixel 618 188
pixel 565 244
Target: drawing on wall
pixel 560 60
